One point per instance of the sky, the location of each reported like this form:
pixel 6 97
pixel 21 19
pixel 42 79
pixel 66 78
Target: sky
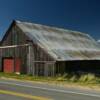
pixel 78 15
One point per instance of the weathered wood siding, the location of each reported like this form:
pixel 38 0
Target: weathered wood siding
pixel 15 37
pixel 35 60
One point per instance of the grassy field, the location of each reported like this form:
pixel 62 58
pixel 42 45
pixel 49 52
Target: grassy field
pixel 86 80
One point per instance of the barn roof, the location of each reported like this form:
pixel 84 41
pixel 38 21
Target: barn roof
pixel 60 43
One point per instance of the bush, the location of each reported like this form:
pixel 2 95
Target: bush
pixel 87 78
pixel 73 78
pixel 61 77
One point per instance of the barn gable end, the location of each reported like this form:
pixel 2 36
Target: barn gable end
pixel 22 46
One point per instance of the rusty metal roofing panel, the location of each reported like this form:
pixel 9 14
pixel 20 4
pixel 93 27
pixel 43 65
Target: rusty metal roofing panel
pixel 62 44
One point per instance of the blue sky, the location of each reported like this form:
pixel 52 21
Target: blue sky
pixel 79 15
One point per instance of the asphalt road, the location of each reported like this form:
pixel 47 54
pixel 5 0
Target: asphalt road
pixel 19 90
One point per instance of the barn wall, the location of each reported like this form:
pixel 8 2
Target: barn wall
pixel 46 64
pixel 28 55
pixel 15 37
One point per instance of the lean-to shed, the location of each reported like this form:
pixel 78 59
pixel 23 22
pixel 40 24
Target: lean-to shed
pixel 43 50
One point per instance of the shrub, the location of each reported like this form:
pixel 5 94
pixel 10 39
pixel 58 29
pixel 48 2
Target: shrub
pixel 61 77
pixel 87 78
pixel 73 78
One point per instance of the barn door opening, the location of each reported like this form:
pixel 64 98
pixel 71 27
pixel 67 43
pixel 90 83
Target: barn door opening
pixel 11 65
pixel 17 66
pixel 8 65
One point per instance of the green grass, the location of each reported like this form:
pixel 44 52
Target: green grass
pixel 25 77
pixel 87 80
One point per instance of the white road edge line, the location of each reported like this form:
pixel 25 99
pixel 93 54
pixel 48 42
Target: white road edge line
pixel 49 89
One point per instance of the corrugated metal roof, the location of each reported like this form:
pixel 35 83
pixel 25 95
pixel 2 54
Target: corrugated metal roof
pixel 62 44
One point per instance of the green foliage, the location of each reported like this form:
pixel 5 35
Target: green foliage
pixel 87 78
pixel 74 78
pixel 67 77
pixel 60 77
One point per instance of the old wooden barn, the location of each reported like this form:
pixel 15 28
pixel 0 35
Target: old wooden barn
pixel 42 50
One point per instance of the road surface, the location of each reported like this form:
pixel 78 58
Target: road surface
pixel 19 90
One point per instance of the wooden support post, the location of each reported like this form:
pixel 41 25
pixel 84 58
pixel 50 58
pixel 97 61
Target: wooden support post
pixel 46 69
pixel 53 71
pixel 29 63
